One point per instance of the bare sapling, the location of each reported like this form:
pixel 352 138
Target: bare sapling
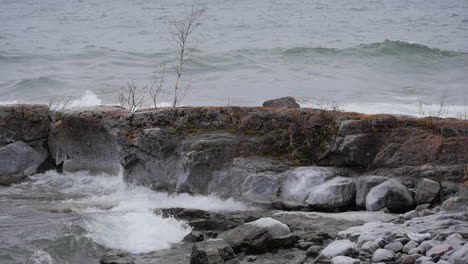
pixel 181 31
pixel 131 97
pixel 159 77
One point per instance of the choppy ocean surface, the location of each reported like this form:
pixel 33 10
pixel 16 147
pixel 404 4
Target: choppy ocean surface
pixel 369 55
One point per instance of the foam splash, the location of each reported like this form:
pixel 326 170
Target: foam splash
pixel 40 257
pixel 88 99
pixel 118 216
pixel 8 102
pixel 135 232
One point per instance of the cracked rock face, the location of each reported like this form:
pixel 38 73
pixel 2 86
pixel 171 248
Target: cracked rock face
pixel 25 123
pixel 83 144
pixel 24 130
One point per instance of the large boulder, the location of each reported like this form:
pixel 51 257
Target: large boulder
pixel 261 188
pixel 213 251
pixel 391 195
pixel 18 160
pixel 283 102
pixel 337 248
pixel 364 184
pixel 335 193
pixel 150 158
pixel 82 139
pixel 203 154
pixel 298 182
pixel 427 191
pixel 244 178
pixel 263 235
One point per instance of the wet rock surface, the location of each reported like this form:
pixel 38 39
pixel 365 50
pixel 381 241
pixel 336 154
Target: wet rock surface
pixel 17 161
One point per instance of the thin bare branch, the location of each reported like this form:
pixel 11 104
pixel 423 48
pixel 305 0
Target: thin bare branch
pixel 131 97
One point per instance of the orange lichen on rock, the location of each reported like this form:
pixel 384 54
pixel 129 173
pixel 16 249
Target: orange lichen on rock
pixel 130 136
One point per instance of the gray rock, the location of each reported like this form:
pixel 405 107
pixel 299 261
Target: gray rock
pixel 410 215
pixel 425 212
pixel 390 194
pixel 414 251
pixel 335 193
pixel 427 245
pixel 313 251
pixel 283 102
pixel 18 160
pixel 337 248
pixel 383 255
pixel 408 260
pixel 117 257
pixel 426 191
pixel 150 159
pixel 410 245
pixel 299 181
pixel 203 154
pixel 364 184
pixel 439 250
pixel 26 123
pixel 262 235
pixel 261 188
pixel 424 260
pixel 421 207
pixel 344 260
pixel 213 251
pixel 229 182
pixel 395 246
pixel 455 240
pixel 418 237
pixel 369 247
pixel 459 256
pixel 305 245
pixel 443 262
pixel 80 140
pixel 455 204
pixel 381 241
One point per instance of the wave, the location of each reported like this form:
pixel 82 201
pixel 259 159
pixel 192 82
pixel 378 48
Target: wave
pixel 42 82
pixel 386 48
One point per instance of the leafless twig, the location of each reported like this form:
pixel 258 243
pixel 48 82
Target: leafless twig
pixel 159 77
pixel 181 35
pixel 131 97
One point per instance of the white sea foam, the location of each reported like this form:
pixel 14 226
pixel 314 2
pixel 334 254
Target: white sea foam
pixel 412 109
pixel 88 99
pixel 118 216
pixel 135 232
pixel 8 102
pixel 40 257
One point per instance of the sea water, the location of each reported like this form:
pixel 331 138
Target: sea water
pixel 370 55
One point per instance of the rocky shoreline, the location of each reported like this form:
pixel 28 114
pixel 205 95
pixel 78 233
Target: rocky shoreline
pixel 277 157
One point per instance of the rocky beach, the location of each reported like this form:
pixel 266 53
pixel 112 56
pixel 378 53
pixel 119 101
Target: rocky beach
pixel 302 185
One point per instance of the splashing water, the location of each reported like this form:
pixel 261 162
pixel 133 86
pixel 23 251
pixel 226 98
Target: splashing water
pixel 74 215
